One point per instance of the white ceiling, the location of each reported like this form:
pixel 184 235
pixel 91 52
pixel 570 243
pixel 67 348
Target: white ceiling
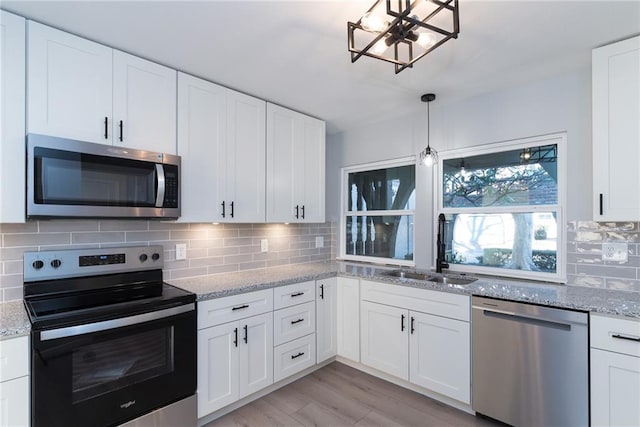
pixel 295 53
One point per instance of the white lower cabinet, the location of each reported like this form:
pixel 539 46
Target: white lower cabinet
pixel 294 356
pixel 14 382
pixel 440 355
pixel 348 318
pixel 615 371
pixel 384 338
pixel 431 351
pixel 326 319
pixel 235 359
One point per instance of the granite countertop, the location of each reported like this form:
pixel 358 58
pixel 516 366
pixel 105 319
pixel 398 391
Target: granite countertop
pixel 14 320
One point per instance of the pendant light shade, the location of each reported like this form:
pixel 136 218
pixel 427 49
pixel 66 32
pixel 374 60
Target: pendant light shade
pixel 428 156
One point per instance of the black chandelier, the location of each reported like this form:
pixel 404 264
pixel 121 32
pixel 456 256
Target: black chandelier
pixel 406 32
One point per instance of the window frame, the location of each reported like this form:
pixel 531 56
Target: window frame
pixel 559 139
pixel 344 213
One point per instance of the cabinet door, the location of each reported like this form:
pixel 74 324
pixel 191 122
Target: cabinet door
pixel 12 111
pixel 144 104
pixel 349 318
pixel 615 389
pixel 202 132
pixel 311 170
pixel 384 338
pixel 281 134
pixel 256 353
pixel 616 131
pixel 217 367
pixel 245 157
pixel 14 402
pixel 69 85
pixel 326 319
pixel 440 355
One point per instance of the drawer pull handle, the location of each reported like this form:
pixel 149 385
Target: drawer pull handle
pixel 402 323
pixel 235 341
pixel 297 355
pixel 246 334
pixel 297 294
pixel 626 337
pixel 293 322
pixel 321 291
pixel 240 307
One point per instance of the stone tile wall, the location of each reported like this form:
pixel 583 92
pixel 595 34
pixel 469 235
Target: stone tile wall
pixel 211 249
pixel 584 255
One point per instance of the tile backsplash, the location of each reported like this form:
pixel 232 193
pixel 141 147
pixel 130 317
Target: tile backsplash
pixel 211 248
pixel 585 266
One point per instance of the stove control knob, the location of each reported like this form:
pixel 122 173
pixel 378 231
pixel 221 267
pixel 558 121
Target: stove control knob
pixel 143 257
pixel 155 256
pixel 56 263
pixel 37 264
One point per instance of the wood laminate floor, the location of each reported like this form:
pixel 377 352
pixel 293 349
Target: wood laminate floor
pixel 338 395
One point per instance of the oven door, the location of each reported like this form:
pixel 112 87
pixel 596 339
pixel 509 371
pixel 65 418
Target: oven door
pixel 109 372
pixel 78 179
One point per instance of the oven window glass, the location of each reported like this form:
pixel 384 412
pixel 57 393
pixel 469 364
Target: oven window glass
pixel 113 364
pixel 68 178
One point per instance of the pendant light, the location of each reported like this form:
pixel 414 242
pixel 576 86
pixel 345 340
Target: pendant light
pixel 428 156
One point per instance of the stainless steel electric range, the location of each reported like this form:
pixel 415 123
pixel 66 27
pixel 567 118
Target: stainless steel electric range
pixel 111 343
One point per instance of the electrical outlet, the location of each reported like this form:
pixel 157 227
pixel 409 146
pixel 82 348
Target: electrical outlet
pixel 319 242
pixel 264 245
pixel 181 251
pixel 615 252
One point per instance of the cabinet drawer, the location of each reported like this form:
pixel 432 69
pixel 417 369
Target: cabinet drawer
pixel 294 356
pixel 293 322
pixel 616 334
pixel 443 304
pixel 227 309
pixel 14 358
pixel 289 295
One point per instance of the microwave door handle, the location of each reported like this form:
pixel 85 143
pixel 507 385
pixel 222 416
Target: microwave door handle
pixel 161 185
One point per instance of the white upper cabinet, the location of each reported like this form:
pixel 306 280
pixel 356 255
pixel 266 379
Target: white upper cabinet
pixel 144 104
pixel 295 166
pixel 221 138
pixel 83 90
pixel 245 158
pixel 616 131
pixel 12 120
pixel 69 86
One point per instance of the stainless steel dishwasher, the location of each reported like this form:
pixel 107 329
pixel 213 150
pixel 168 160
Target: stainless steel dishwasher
pixel 530 363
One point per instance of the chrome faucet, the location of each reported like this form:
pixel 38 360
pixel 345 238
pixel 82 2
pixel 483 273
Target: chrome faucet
pixel 441 245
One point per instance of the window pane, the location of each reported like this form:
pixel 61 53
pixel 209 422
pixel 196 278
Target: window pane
pixel 382 189
pixel 380 236
pixel 520 241
pixel 527 176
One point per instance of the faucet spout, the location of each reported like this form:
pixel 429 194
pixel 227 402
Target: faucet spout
pixel 441 246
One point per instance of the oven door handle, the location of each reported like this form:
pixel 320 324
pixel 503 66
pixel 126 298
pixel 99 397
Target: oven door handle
pixel 72 331
pixel 161 185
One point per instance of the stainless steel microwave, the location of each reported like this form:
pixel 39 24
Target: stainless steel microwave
pixel 68 178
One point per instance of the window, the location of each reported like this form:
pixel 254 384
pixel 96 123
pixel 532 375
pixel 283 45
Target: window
pixel 378 212
pixel 503 205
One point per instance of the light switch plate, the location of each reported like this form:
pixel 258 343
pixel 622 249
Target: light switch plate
pixel 181 251
pixel 319 242
pixel 264 245
pixel 615 252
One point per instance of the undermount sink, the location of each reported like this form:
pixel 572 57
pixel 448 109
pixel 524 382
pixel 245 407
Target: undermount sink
pixel 408 275
pixel 452 280
pixel 445 280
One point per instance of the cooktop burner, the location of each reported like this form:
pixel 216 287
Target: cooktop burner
pixel 64 288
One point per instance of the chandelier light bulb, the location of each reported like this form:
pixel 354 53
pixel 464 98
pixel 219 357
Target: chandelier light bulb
pixel 426 40
pixel 380 47
pixel 373 22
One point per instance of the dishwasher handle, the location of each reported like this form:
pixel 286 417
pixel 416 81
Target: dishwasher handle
pixel 547 323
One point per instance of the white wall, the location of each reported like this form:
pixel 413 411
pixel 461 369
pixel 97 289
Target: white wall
pixel 561 103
